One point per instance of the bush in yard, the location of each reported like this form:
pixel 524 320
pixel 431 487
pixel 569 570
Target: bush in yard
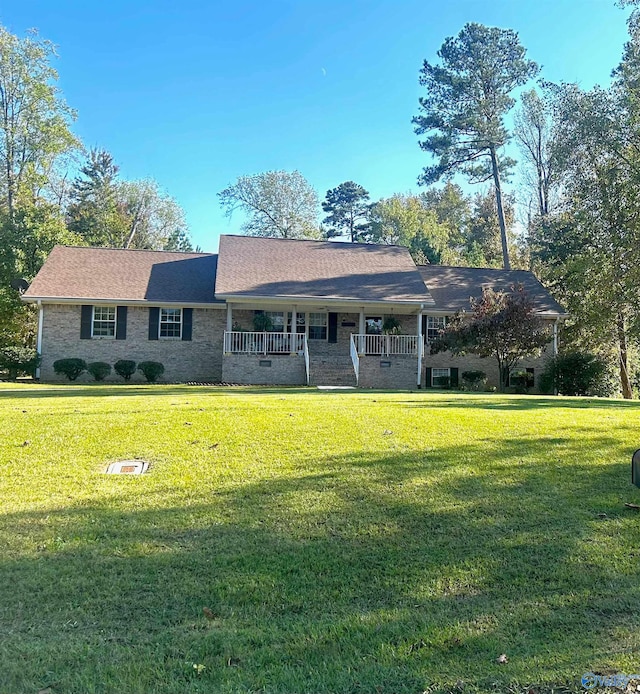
pixel 19 360
pixel 520 381
pixel 99 370
pixel 575 373
pixel 474 380
pixel 125 368
pixel 71 368
pixel 151 370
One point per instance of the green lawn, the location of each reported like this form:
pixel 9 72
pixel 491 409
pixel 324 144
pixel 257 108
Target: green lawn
pixel 344 541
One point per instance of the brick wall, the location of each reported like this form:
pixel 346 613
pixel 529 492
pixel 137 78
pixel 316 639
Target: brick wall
pixel 199 359
pixel 272 369
pixel 341 347
pixel 393 372
pixel 471 362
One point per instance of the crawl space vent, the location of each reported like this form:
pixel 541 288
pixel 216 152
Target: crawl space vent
pixel 127 467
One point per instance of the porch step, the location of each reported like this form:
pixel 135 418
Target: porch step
pixel 331 371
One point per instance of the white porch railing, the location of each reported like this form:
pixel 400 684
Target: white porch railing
pixel 385 345
pixel 237 342
pixel 355 357
pixel 306 359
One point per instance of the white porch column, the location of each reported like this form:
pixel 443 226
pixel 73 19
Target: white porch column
pixel 361 326
pixel 39 337
pixel 294 328
pixel 229 318
pixel 420 348
pixel 555 337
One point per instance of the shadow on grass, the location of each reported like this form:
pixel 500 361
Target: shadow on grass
pixel 519 402
pixel 396 573
pixel 422 399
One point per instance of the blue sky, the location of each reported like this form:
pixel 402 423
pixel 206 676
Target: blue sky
pixel 195 93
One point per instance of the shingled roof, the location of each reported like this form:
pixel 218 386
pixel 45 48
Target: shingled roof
pixel 271 269
pixel 453 287
pixel 126 275
pixel 284 268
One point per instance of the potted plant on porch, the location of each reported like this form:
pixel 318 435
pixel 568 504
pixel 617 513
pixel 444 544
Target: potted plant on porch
pixel 271 342
pixel 262 323
pixel 391 326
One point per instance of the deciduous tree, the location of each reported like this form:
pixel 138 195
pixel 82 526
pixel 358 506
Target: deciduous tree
pixel 452 208
pixel 34 118
pixel 502 325
pixel 154 219
pixel 482 239
pixel 106 211
pixel 280 204
pixel 404 220
pixel 533 133
pixel 591 250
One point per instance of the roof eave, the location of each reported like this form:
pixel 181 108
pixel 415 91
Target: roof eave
pixel 451 309
pixel 553 314
pixel 248 298
pixel 119 302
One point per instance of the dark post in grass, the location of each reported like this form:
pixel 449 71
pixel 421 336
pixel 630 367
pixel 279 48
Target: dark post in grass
pixel 635 468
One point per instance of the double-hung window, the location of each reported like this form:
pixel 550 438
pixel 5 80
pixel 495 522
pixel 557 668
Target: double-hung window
pixel 440 378
pixel 103 323
pixel 434 325
pixel 170 323
pixel 317 326
pixel 277 321
pixel 300 323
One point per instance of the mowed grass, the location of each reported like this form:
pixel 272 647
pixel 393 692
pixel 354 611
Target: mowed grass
pixel 343 541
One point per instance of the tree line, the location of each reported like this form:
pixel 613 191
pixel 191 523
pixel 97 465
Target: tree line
pixel 574 221
pixel 55 191
pixel 440 225
pixel 579 197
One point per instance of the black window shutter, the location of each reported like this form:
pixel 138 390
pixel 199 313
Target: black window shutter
pixel 154 320
pixel 453 378
pixel 86 316
pixel 121 323
pixel 333 327
pixel 427 378
pixel 258 313
pixel 187 323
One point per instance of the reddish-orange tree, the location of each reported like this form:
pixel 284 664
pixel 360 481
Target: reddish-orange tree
pixel 502 325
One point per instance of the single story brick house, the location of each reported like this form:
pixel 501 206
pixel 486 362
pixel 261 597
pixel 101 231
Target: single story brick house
pixel 266 311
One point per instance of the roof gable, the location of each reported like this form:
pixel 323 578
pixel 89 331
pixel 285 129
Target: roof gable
pixel 285 268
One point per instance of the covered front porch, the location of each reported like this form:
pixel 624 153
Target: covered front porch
pixel 314 344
